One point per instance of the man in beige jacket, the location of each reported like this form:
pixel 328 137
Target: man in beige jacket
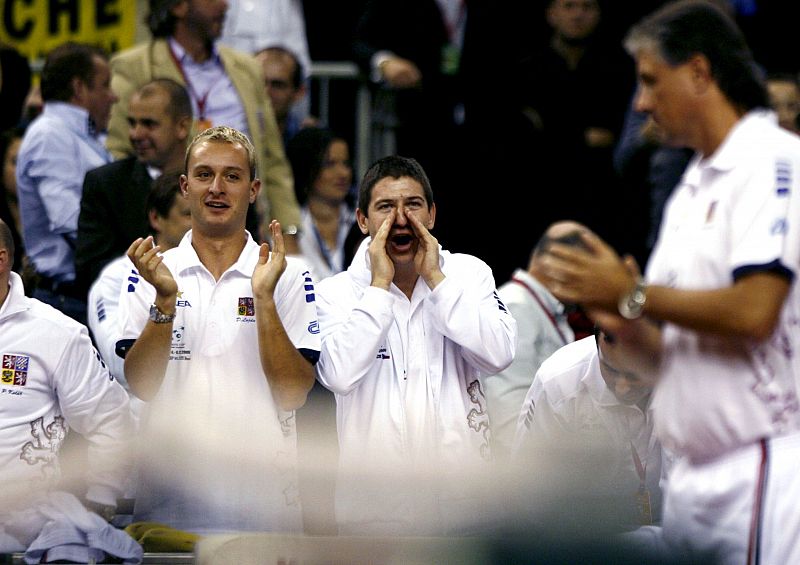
pixel 226 88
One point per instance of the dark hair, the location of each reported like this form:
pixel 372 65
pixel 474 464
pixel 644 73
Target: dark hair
pixel 395 167
pixel 6 137
pixel 306 154
pixel 686 28
pixel 180 105
pixel 68 61
pixel 299 71
pixel 7 241
pixel 163 192
pixel 160 20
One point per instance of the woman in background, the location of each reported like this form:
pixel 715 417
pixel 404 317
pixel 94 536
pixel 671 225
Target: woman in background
pixel 10 141
pixel 323 181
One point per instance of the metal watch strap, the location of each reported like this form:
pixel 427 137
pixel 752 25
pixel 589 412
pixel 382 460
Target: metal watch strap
pixel 631 304
pixel 158 317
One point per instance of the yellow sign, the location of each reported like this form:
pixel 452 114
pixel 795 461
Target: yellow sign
pixel 35 27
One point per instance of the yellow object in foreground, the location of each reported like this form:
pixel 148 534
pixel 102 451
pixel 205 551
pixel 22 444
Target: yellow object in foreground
pixel 155 537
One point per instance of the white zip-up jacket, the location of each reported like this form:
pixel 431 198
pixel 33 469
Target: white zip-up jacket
pixel 53 380
pixel 407 380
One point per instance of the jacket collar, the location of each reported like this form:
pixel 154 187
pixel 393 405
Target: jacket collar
pixel 16 301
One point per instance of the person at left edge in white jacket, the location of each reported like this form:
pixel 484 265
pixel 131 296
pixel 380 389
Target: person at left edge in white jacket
pixel 408 332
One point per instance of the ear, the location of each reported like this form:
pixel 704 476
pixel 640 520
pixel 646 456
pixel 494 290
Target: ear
pixel 154 220
pixel 432 218
pixel 79 91
pixel 701 72
pixel 362 221
pixel 184 127
pixel 184 181
pixel 255 188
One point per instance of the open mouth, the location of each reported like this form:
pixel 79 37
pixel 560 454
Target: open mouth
pixel 402 239
pixel 218 205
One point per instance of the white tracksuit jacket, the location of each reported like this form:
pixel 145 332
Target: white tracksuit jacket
pixel 372 340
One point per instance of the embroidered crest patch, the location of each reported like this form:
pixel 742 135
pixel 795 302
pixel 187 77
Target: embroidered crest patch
pixel 246 306
pixel 14 370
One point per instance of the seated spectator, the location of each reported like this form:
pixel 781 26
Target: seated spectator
pixel 10 140
pixel 52 381
pixel 589 397
pixel 59 147
pixel 323 180
pixel 113 202
pixel 542 328
pixel 285 84
pixel 168 217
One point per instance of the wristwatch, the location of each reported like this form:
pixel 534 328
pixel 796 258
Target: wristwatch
pixel 158 317
pixel 631 304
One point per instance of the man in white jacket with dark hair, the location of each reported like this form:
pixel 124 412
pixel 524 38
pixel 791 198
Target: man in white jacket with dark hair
pixel 408 332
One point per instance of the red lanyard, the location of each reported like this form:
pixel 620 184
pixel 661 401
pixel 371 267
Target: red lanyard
pixel 201 101
pixel 549 314
pixel 641 469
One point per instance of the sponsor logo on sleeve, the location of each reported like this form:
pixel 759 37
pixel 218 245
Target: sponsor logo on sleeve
pixel 500 304
pixel 783 178
pixel 308 286
pixel 133 280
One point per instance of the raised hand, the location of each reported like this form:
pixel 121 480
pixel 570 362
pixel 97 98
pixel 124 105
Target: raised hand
pixel 145 256
pixel 596 278
pixel 380 263
pixel 270 266
pixel 426 260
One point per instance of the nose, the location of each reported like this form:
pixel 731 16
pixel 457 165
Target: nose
pixel 215 186
pixel 642 102
pixel 400 218
pixel 135 131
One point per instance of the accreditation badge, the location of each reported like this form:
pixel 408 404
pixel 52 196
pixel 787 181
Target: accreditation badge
pixel 644 507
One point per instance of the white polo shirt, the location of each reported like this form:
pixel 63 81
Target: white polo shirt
pixel 221 455
pixel 569 401
pixel 736 212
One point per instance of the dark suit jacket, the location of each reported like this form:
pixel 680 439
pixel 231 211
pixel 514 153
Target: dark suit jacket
pixel 112 215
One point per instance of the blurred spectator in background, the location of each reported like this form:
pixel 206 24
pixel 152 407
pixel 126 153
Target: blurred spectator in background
pixel 411 50
pixel 168 218
pixel 575 90
pixel 542 328
pixel 252 26
pixel 784 98
pixel 114 195
pixel 58 148
pixel 10 140
pixel 283 79
pixel 15 84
